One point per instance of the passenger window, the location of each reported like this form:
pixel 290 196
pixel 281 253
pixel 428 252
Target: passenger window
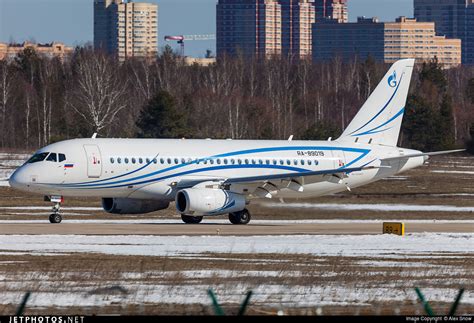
pixel 211 161
pixel 190 161
pixel 288 162
pixel 62 157
pixel 126 160
pixel 176 161
pixel 183 161
pixel 119 160
pixel 134 160
pixel 267 161
pixel 218 161
pixel 155 161
pixel 316 163
pixel 148 160
pixel 295 162
pixel 225 161
pixel 275 162
pixel 260 162
pixel 302 162
pixel 52 157
pixel 140 160
pixel 232 161
pixel 246 161
pixel 169 160
pixel 112 160
pixel 309 162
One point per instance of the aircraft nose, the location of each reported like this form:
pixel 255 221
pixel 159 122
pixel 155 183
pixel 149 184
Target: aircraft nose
pixel 18 179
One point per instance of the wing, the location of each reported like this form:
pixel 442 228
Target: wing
pixel 289 176
pixel 292 179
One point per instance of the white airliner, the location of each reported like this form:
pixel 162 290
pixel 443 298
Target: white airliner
pixel 216 177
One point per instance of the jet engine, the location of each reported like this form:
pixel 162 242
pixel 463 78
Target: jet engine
pixel 206 201
pixel 132 206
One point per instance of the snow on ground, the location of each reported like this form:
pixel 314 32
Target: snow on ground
pixel 212 220
pixel 372 207
pixel 8 163
pixel 268 294
pixel 452 172
pixel 415 244
pixel 48 208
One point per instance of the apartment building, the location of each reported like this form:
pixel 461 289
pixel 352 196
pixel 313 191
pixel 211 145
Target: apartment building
pixel 331 9
pixel 126 29
pixel 265 28
pixel 384 41
pixel 453 19
pixel 54 49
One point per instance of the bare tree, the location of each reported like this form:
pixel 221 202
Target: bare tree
pixel 98 93
pixel 6 87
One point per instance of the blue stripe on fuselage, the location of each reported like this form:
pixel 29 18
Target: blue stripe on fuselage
pixel 128 182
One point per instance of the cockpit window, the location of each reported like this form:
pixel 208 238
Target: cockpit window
pixel 62 157
pixel 52 157
pixel 37 158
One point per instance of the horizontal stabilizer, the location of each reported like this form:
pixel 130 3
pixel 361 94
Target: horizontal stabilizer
pixel 424 154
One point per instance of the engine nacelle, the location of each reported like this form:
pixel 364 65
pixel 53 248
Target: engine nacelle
pixel 132 206
pixel 206 201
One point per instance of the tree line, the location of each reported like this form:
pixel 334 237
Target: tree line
pixel 44 100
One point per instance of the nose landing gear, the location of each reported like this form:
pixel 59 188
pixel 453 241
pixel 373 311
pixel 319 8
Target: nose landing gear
pixel 55 217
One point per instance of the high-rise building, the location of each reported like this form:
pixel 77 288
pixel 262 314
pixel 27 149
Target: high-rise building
pixel 384 41
pixel 264 27
pixel 469 42
pixel 297 18
pixel 126 29
pixel 248 27
pixel 453 19
pixel 331 9
pixel 346 40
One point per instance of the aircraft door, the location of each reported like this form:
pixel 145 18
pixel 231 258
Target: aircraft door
pixel 94 161
pixel 339 159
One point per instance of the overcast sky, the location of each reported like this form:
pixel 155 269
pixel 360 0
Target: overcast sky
pixel 71 21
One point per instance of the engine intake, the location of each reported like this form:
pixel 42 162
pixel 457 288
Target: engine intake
pixel 132 206
pixel 205 201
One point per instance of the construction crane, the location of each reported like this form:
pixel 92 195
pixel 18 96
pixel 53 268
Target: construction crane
pixel 181 38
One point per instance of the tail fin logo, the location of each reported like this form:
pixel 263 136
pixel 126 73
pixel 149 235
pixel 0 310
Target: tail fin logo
pixel 392 80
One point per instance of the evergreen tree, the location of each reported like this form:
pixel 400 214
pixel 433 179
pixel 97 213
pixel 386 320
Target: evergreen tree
pixel 470 90
pixel 470 143
pixel 433 73
pixel 429 121
pixel 160 119
pixel 419 125
pixel 446 124
pixel 321 131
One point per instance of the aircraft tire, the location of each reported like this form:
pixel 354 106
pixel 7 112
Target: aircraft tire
pixel 55 218
pixel 241 217
pixel 191 219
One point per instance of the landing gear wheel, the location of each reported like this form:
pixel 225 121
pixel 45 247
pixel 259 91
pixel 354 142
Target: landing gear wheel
pixel 55 218
pixel 241 217
pixel 191 219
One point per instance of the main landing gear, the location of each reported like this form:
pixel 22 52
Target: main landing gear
pixel 241 217
pixel 191 219
pixel 55 217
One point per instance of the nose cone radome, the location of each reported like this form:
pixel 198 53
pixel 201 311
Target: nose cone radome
pixel 19 179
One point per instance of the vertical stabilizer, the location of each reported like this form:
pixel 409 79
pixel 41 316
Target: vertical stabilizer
pixel 379 120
